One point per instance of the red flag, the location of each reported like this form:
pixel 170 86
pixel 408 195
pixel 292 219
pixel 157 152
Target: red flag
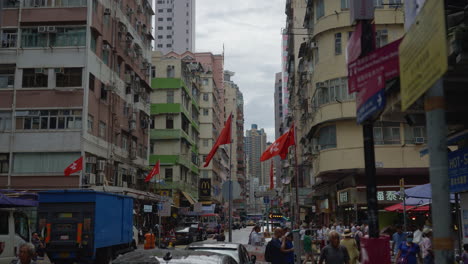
pixel 280 146
pixel 77 165
pixel 272 183
pixel 153 172
pixel 224 138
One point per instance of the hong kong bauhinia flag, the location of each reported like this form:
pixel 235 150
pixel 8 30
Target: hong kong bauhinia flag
pixel 76 166
pixel 154 171
pixel 280 146
pixel 224 138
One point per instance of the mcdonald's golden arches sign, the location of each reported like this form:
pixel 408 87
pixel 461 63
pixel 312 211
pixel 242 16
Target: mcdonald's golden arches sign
pixel 204 188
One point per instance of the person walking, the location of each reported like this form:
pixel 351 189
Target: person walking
pixel 308 250
pixel 322 236
pixel 334 253
pixel 408 252
pixel 26 253
pixel 398 237
pixel 426 247
pixel 255 239
pixel 287 248
pixel 277 255
pixel 351 246
pixel 39 246
pixel 357 236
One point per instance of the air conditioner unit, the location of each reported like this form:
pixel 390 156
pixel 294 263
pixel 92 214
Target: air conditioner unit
pixel 101 165
pixel 100 178
pixel 92 178
pixel 42 29
pixel 419 140
pixel 91 160
pixel 51 29
pixel 124 184
pixel 107 11
pixel 313 45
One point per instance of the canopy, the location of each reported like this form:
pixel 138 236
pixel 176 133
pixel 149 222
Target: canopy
pixel 10 199
pixel 422 191
pixel 399 207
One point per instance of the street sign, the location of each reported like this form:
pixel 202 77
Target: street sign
pixel 272 193
pixel 367 76
pixel 423 53
pixel 458 170
pixel 147 208
pixel 266 200
pixel 166 209
pixel 160 206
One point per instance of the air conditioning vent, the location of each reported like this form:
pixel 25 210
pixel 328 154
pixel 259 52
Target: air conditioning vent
pixel 419 140
pixel 101 165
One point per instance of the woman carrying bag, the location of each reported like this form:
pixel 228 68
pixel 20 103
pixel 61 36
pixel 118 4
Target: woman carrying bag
pixel 408 252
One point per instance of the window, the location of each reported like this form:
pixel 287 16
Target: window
pixel 344 4
pixel 153 71
pixel 5 120
pixel 381 38
pixel 170 97
pixel 169 10
pixel 125 142
pixel 416 134
pixel 350 33
pixel 42 162
pixel 95 5
pixel 168 174
pixel 186 22
pixel 4 215
pixel 169 122
pixel 68 77
pixel 335 90
pixel 105 53
pixel 103 92
pixel 168 45
pixel 160 28
pixel 168 36
pixel 394 3
pixel 169 19
pixel 160 36
pixel 378 3
pixel 206 97
pixel 160 45
pixel 205 81
pixel 320 9
pixel 7 76
pixel 94 38
pixel 9 37
pixel 48 119
pixel 102 129
pixel 55 36
pixel 169 28
pixel 337 43
pixel 34 78
pixel 170 71
pixel 206 112
pixel 70 2
pixel 92 82
pixel 160 10
pixel 160 19
pixel 386 133
pixel 205 143
pixel 90 123
pixel 327 137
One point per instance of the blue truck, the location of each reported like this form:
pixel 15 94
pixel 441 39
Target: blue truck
pixel 85 226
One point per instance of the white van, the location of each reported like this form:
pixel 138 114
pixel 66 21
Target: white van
pixel 14 230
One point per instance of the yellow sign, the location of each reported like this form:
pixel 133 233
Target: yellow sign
pixel 423 53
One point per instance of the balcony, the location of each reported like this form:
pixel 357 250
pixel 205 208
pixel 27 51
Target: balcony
pixel 165 134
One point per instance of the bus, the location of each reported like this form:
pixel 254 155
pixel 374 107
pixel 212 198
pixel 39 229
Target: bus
pixel 210 221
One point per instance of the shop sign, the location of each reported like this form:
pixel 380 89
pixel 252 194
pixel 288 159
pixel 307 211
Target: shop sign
pixel 387 196
pixel 166 209
pixel 204 188
pixel 343 197
pixel 458 170
pixel 147 208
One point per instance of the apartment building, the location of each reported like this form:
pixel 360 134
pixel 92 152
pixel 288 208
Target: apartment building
pixel 174 29
pixel 330 143
pixel 74 82
pixel 235 104
pixel 279 122
pixel 255 145
pixel 175 127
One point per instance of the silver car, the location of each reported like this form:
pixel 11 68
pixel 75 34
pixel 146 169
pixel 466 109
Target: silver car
pixel 235 250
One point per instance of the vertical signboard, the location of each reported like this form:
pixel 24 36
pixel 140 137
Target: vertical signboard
pixel 204 189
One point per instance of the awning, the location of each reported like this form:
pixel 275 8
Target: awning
pixel 189 198
pixel 399 208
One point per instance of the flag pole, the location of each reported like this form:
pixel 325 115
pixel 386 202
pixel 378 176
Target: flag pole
pixel 296 181
pixel 230 187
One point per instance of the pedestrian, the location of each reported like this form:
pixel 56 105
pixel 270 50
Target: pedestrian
pixel 339 228
pixel 353 228
pixel 287 248
pixel 357 236
pixel 26 254
pixel 464 256
pixel 308 250
pixel 334 253
pixel 221 237
pixel 417 234
pixel 350 244
pixel 38 245
pixel 255 239
pixel 408 252
pixel 426 247
pixel 322 236
pixel 277 256
pixel 398 238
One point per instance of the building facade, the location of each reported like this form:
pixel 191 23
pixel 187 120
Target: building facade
pixel 175 127
pixel 255 145
pixel 330 143
pixel 75 82
pixel 279 122
pixel 174 28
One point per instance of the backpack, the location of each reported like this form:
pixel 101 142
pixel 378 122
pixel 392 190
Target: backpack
pixel 269 251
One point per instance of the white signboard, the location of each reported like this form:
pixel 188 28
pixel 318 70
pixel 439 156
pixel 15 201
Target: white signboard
pixel 166 210
pixel 147 208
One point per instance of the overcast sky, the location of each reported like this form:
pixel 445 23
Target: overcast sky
pixel 251 33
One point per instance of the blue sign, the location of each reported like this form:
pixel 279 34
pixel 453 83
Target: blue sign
pixel 160 207
pixel 372 106
pixel 458 170
pixel 266 200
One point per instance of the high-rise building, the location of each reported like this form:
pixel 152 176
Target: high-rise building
pixel 76 85
pixel 175 125
pixel 174 26
pixel 255 145
pixel 235 104
pixel 279 121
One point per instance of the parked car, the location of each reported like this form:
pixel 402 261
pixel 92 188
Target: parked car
pixel 141 256
pixel 190 232
pixel 235 250
pixel 251 223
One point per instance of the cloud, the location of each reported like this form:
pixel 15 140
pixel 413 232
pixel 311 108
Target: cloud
pixel 251 33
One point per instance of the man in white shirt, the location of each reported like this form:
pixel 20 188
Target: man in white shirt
pixel 26 254
pixel 255 237
pixel 417 235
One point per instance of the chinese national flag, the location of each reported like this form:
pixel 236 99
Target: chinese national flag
pixel 224 138
pixel 280 146
pixel 153 172
pixel 272 183
pixel 76 166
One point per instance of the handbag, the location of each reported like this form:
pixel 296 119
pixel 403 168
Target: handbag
pixel 402 260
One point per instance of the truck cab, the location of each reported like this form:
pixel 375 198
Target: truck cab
pixel 14 231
